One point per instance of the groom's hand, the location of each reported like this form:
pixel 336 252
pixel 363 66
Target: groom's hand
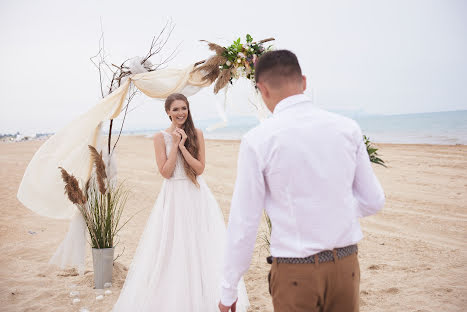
pixel 224 308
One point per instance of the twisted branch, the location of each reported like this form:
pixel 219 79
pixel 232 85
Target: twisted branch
pixel 115 74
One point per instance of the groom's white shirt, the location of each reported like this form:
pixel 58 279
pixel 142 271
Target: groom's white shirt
pixel 310 170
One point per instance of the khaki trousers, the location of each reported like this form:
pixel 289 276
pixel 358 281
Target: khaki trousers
pixel 309 287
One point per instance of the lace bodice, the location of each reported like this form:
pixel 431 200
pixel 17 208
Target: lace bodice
pixel 179 171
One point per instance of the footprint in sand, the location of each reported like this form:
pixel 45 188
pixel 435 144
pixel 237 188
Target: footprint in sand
pixel 376 267
pixel 392 290
pixel 67 273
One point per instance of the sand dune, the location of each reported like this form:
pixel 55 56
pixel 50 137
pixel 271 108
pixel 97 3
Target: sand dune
pixel 413 256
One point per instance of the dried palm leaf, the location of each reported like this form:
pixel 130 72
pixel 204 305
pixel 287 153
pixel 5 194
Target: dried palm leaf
pixel 212 63
pixel 223 80
pixel 100 168
pixel 72 189
pixel 212 76
pixel 215 60
pixel 215 47
pixel 210 68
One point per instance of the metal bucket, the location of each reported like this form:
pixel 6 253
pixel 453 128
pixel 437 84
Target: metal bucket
pixel 102 260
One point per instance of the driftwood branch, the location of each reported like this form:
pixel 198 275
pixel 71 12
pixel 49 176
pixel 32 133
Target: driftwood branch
pixel 114 74
pixel 159 41
pixel 265 40
pixel 99 60
pixel 131 94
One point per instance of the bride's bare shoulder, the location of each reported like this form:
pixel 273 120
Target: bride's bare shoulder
pixel 158 138
pixel 199 132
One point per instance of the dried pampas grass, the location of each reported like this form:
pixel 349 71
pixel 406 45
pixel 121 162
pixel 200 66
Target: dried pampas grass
pixel 100 205
pixel 100 168
pixel 72 189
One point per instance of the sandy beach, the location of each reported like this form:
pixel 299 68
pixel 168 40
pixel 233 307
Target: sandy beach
pixel 413 256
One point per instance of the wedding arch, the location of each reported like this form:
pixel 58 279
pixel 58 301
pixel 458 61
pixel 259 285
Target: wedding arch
pixel 41 189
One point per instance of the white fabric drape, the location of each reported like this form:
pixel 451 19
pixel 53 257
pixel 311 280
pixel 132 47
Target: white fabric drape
pixel 42 189
pixel 72 250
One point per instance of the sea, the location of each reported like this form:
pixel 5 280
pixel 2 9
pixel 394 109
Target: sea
pixel 442 128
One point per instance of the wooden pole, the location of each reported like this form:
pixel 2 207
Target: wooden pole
pixel 110 134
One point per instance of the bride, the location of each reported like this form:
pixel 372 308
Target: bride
pixel 177 265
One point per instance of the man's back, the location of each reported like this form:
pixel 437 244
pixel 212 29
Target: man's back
pixel 309 159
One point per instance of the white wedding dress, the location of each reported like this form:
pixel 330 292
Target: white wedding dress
pixel 178 263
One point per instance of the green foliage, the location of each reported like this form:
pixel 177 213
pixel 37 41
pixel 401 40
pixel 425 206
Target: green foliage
pixel 102 213
pixel 266 235
pixel 372 152
pixel 242 57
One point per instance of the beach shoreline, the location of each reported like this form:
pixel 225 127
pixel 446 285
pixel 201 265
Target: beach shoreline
pixel 374 142
pixel 412 256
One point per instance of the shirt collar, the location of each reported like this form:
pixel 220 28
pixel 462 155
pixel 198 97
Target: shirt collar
pixel 290 101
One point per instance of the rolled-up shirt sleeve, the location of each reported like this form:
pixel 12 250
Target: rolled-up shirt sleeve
pixel 366 188
pixel 245 214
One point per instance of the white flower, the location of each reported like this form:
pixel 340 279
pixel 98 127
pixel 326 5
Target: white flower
pixel 228 63
pixel 251 49
pixel 239 60
pixel 240 72
pixel 240 54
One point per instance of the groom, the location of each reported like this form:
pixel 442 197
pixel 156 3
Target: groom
pixel 310 170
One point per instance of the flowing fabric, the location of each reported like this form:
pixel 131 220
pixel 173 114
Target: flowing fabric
pixel 41 188
pixel 178 263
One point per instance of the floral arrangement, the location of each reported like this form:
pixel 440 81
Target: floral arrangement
pixel 232 62
pixel 241 58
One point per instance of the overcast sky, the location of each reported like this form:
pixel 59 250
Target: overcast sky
pixel 375 57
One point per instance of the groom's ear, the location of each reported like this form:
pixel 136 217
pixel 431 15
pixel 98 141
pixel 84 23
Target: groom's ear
pixel 263 89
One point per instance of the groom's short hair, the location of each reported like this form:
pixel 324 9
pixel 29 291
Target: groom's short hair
pixel 278 67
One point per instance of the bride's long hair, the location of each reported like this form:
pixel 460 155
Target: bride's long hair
pixel 191 142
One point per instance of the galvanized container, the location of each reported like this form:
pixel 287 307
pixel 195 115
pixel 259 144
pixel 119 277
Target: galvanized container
pixel 102 260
